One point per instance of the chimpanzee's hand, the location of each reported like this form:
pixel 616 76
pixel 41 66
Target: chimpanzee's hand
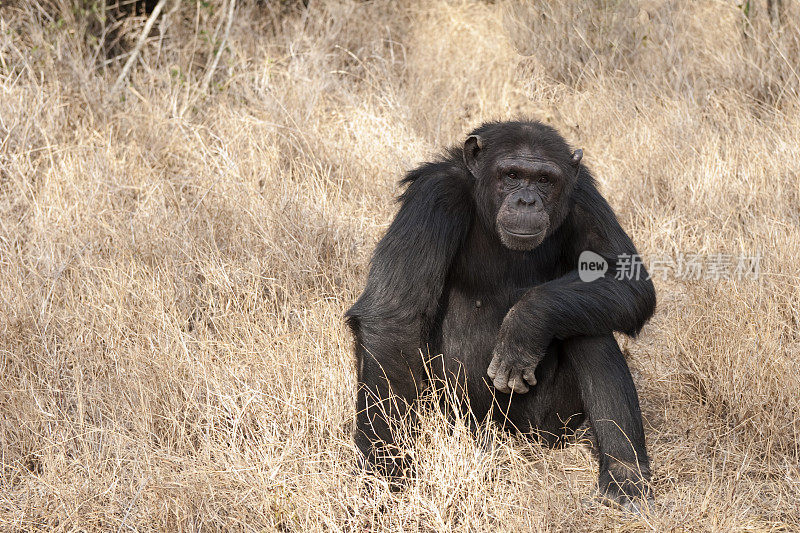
pixel 516 356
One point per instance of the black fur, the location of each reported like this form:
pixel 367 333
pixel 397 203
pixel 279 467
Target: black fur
pixel 442 282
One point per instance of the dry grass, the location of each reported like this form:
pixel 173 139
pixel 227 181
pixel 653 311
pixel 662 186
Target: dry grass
pixel 175 263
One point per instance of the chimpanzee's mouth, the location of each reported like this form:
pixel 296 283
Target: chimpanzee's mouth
pixel 523 235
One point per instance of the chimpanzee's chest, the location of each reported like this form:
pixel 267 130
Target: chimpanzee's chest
pixel 484 282
pixel 470 316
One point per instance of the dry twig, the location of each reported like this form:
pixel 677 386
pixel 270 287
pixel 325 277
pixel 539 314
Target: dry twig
pixel 139 44
pixel 210 72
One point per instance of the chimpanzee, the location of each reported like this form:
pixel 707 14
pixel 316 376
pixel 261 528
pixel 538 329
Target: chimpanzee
pixel 480 271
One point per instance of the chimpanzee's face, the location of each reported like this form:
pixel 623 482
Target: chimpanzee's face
pixel 524 188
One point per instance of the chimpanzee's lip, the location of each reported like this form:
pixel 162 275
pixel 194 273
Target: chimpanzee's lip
pixel 523 235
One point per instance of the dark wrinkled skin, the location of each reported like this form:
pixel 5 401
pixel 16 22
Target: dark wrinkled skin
pixel 475 288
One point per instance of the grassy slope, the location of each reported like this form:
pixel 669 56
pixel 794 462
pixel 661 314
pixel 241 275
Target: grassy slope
pixel 174 265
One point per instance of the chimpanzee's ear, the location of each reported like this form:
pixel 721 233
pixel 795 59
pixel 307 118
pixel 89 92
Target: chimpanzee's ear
pixel 472 149
pixel 577 155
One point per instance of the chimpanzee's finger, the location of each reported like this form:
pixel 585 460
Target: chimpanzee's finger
pixel 494 366
pixel 516 382
pixel 500 381
pixel 529 375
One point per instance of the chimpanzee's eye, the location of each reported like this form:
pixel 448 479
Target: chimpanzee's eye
pixel 544 179
pixel 512 175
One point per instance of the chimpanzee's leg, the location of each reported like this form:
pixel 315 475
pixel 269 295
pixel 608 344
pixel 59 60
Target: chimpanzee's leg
pixel 612 405
pixel 386 394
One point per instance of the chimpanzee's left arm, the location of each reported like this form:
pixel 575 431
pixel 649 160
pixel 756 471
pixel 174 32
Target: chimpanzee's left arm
pixel 623 299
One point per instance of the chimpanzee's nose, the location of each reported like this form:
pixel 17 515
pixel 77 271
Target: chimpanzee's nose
pixel 527 198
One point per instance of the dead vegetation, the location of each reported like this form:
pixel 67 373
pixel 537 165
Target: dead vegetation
pixel 176 257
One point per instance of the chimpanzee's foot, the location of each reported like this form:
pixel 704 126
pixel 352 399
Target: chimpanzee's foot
pixel 395 469
pixel 627 486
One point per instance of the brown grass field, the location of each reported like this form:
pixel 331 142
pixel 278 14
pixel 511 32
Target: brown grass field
pixel 176 255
